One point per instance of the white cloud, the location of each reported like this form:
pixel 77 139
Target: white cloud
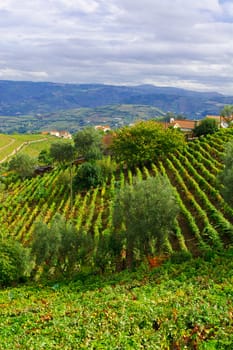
pixel 179 42
pixel 15 73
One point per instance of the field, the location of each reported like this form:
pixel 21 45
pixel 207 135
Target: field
pixel 184 305
pixel 30 144
pixel 176 306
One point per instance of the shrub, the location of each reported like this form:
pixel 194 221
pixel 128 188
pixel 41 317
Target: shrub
pixel 88 175
pixel 14 262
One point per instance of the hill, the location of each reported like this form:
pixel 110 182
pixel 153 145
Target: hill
pixel 29 98
pixel 205 219
pixel 31 144
pixel 184 303
pixel 74 119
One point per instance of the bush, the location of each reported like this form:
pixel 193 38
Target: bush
pixel 88 175
pixel 108 167
pixel 180 257
pixel 206 126
pixel 14 262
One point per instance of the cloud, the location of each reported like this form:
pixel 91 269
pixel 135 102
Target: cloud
pixel 175 43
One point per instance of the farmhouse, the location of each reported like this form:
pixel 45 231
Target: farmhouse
pixel 62 134
pixel 103 128
pixel 184 125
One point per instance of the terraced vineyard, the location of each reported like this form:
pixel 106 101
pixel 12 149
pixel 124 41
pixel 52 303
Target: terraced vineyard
pixel 205 219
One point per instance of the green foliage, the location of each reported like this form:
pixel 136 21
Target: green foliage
pixel 147 209
pixel 108 167
pixel 204 221
pixel 144 142
pixel 57 248
pixel 63 179
pixel 14 261
pixel 62 152
pixel 226 175
pixel 180 257
pixel 206 126
pixel 88 143
pixel 44 157
pixel 175 306
pixel 88 175
pixel 23 165
pixel 227 113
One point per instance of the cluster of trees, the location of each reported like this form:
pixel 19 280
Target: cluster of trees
pixel 145 142
pixel 206 126
pixel 141 144
pixel 143 217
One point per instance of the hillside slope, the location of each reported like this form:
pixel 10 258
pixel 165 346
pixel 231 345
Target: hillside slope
pixel 205 220
pixel 176 306
pixel 31 144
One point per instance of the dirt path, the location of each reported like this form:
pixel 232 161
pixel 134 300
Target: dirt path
pixel 9 144
pixel 24 144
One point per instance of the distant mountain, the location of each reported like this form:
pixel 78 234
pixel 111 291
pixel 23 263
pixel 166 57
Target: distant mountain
pixel 21 98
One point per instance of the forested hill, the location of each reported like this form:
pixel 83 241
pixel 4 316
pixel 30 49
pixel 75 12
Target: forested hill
pixel 18 98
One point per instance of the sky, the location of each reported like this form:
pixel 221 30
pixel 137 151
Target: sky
pixel 180 43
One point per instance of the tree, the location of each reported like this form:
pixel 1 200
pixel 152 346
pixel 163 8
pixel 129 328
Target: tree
pixel 145 142
pixel 225 177
pixel 88 143
pixel 62 152
pixel 58 247
pixel 14 261
pixel 206 126
pixel 88 175
pixel 23 165
pixel 227 113
pixel 147 210
pixel 44 157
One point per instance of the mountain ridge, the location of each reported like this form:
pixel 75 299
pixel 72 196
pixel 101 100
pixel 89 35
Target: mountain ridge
pixel 25 97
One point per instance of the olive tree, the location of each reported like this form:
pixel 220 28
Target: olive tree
pixel 23 165
pixel 57 247
pixel 145 212
pixel 64 153
pixel 88 143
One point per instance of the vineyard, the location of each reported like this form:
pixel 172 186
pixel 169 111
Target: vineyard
pixel 176 305
pixel 205 219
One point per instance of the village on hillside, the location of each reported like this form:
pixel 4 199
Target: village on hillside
pixel 185 125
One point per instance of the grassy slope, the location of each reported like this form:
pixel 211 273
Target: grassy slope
pixel 185 306
pixel 36 142
pixel 175 306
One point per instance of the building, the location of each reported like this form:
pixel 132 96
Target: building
pixel 184 125
pixel 103 128
pixel 219 119
pixel 61 134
